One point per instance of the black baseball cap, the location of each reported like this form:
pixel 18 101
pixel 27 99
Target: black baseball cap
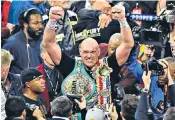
pixel 29 74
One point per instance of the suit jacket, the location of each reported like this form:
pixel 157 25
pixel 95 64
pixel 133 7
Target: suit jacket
pixel 16 85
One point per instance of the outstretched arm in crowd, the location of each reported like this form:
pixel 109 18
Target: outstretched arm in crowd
pixel 142 106
pixel 160 5
pixel 49 40
pixel 123 51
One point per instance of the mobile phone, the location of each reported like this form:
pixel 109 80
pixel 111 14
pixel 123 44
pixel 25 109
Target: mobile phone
pixel 72 97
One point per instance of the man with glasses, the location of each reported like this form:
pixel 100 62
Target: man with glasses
pixel 25 44
pixel 33 85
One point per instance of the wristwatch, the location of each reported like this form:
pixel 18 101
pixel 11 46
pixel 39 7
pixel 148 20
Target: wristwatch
pixel 145 90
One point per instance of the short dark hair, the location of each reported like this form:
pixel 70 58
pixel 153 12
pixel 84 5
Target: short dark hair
pixel 28 13
pixel 24 17
pixel 170 114
pixel 61 106
pixel 14 106
pixel 129 106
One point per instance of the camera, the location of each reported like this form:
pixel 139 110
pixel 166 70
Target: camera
pixel 29 110
pixel 168 14
pixel 157 34
pixel 153 65
pixel 72 97
pixel 118 88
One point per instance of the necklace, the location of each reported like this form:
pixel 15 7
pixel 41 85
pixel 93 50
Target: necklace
pixel 51 84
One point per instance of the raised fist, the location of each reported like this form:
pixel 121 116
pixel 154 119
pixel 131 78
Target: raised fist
pixel 118 12
pixel 56 13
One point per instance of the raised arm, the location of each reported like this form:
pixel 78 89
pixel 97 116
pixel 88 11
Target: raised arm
pixel 160 5
pixel 123 51
pixel 49 36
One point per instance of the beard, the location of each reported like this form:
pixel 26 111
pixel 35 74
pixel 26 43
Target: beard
pixel 34 34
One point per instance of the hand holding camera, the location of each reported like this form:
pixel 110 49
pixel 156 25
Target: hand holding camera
pixel 81 104
pixel 78 101
pixel 33 110
pixel 166 75
pixel 37 113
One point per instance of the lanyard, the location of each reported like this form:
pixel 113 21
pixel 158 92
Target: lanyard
pixel 53 90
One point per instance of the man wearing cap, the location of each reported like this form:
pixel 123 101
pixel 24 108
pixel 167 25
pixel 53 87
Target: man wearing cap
pixel 34 85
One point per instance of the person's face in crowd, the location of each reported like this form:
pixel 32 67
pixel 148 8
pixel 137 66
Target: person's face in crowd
pixel 47 60
pixel 36 85
pixel 149 51
pixel 89 52
pixel 35 26
pixel 4 73
pixel 165 69
pixel 60 3
pixel 112 46
pixel 172 43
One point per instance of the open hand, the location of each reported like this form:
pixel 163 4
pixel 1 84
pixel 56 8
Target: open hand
pixel 104 20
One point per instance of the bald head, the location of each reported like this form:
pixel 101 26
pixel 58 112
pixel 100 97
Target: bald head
pixel 117 38
pixel 89 42
pixel 114 42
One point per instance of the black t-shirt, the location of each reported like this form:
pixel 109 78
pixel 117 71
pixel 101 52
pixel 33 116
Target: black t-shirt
pixel 38 103
pixel 67 64
pixel 53 80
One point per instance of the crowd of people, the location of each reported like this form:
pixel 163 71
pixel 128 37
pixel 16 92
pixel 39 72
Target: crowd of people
pixel 82 60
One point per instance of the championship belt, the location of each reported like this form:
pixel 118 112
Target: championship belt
pixel 79 82
pixel 97 92
pixel 101 73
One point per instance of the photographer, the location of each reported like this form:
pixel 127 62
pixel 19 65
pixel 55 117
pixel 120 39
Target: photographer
pixel 142 108
pixel 168 74
pixel 15 108
pixel 172 42
pixel 62 108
